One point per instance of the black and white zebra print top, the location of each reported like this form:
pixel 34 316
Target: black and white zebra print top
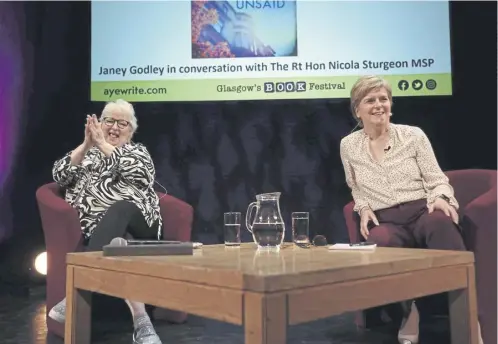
pixel 99 181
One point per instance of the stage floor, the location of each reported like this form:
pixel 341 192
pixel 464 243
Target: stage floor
pixel 22 321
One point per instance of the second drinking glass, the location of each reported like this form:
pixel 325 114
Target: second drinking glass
pixel 300 227
pixel 232 229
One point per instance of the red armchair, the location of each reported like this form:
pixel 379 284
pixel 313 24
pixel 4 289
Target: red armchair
pixel 62 232
pixel 476 192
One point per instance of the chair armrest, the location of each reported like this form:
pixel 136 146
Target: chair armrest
pixel 46 197
pixel 60 221
pixel 177 218
pixel 351 223
pixel 62 231
pixel 484 203
pixel 480 225
pixel 479 221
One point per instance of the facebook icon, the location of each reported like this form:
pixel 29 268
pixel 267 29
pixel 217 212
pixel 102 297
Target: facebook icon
pixel 403 85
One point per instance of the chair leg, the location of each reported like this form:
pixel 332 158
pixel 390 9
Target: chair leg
pixel 360 321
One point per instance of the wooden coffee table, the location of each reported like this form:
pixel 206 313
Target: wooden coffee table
pixel 266 292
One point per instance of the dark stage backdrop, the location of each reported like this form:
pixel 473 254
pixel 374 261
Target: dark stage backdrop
pixel 218 156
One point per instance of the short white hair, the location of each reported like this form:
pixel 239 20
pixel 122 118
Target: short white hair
pixel 122 106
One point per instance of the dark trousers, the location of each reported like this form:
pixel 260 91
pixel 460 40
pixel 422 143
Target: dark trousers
pixel 410 225
pixel 120 219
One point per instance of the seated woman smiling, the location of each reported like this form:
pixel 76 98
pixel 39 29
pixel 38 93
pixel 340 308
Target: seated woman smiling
pixel 401 195
pixel 109 180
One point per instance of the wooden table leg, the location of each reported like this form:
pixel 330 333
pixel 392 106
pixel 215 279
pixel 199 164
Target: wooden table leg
pixel 265 318
pixel 78 327
pixel 463 312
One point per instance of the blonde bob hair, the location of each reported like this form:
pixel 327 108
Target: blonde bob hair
pixel 364 86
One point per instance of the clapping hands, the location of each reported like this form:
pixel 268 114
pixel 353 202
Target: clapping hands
pixel 94 136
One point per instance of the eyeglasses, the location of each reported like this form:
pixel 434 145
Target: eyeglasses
pixel 121 122
pixel 318 241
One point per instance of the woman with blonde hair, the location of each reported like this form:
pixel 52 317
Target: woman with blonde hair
pixel 401 195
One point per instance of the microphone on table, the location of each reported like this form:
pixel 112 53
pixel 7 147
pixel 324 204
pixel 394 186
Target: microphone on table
pixel 120 247
pixel 123 242
pixel 118 242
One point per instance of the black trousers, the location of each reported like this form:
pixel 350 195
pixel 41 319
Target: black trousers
pixel 410 225
pixel 121 218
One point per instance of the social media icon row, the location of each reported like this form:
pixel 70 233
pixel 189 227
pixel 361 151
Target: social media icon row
pixel 417 85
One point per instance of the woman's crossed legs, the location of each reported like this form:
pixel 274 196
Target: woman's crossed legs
pixel 121 218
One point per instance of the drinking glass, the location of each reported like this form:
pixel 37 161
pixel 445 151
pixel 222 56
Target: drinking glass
pixel 300 227
pixel 232 229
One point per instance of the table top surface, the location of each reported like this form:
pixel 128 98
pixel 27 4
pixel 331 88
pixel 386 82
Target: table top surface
pixel 247 268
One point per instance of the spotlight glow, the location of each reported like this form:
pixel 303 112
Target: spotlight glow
pixel 41 263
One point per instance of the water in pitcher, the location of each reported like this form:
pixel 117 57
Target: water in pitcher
pixel 268 234
pixel 267 226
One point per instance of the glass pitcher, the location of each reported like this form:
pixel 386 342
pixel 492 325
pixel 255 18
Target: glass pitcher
pixel 268 227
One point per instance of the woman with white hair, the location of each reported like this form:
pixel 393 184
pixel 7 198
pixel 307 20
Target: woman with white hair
pixel 109 180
